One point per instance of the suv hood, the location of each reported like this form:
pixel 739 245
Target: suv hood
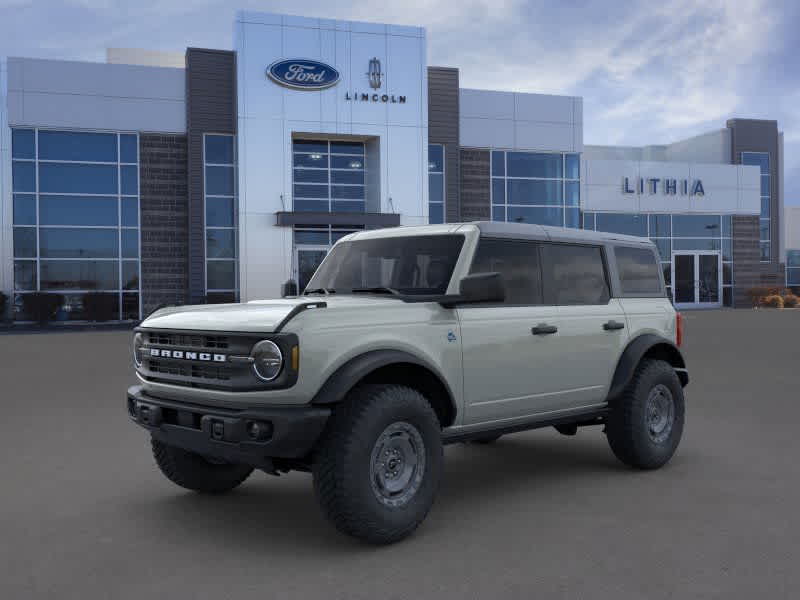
pixel 258 316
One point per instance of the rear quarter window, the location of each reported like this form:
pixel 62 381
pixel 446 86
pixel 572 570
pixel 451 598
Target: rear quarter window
pixel 574 274
pixel 638 271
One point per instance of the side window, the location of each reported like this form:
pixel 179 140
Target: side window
pixel 574 274
pixel 517 262
pixel 638 271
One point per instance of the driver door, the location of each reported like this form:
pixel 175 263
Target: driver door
pixel 511 361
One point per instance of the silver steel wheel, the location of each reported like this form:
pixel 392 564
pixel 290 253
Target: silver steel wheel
pixel 660 413
pixel 397 464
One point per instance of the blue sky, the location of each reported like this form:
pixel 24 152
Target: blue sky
pixel 649 72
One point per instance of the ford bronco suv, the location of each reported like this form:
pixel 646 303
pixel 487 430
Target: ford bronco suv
pixel 407 339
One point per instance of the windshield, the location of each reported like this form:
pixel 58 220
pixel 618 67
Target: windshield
pixel 402 265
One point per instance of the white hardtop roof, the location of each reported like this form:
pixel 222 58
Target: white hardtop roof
pixel 501 229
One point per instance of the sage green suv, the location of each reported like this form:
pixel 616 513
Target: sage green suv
pixel 408 339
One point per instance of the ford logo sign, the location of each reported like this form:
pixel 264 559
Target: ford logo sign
pixel 303 74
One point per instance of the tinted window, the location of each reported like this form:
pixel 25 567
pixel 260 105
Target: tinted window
pixel 219 181
pixel 24 209
pixel 66 178
pixel 517 262
pixel 410 265
pixel 73 145
pixel 80 275
pixel 696 225
pixel 128 151
pixel 78 243
pixel 628 224
pixel 529 164
pixel 77 210
pixel 219 149
pixel 22 143
pixel 573 275
pixel 638 271
pixel 533 191
pixel 23 176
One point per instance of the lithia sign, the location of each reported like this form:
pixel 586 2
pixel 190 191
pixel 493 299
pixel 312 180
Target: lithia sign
pixel 667 186
pixel 306 74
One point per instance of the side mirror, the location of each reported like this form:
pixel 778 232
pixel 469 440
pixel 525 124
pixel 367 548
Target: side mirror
pixel 289 288
pixel 482 287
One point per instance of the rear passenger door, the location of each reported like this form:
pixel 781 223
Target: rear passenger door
pixel 509 371
pixel 592 330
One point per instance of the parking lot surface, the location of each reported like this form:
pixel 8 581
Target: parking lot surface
pixel 84 513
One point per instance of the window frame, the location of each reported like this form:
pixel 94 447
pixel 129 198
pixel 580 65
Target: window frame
pixel 234 227
pixel 117 196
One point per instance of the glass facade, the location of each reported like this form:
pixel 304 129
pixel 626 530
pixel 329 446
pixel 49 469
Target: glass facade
pixel 674 232
pixel 435 183
pixel 536 187
pixel 793 268
pixel 328 176
pixel 311 245
pixel 76 219
pixel 761 160
pixel 219 159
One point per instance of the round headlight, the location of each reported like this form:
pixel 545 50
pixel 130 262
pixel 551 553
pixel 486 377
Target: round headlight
pixel 138 342
pixel 267 360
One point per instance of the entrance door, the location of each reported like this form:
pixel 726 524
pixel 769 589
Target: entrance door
pixel 308 259
pixel 697 279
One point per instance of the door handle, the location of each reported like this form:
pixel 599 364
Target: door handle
pixel 612 325
pixel 544 329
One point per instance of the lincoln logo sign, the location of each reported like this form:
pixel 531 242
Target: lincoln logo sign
pixel 302 74
pixel 669 187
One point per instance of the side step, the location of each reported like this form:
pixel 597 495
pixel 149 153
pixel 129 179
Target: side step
pixel 580 419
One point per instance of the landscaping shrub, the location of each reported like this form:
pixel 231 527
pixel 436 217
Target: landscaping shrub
pixel 41 306
pixel 3 306
pixel 790 301
pixel 757 295
pixel 773 301
pixel 98 306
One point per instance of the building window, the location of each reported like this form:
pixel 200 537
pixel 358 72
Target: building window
pixel 328 176
pixel 674 232
pixel 76 220
pixel 311 245
pixel 793 268
pixel 761 160
pixel 535 187
pixel 436 183
pixel 221 227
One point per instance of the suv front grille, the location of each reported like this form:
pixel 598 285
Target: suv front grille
pixel 195 371
pixel 210 342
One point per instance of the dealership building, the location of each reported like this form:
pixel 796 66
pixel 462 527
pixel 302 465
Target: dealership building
pixel 217 175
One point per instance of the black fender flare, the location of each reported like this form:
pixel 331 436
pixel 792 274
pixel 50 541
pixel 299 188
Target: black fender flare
pixel 350 373
pixel 636 349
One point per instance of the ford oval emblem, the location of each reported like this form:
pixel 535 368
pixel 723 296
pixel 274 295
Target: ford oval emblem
pixel 303 74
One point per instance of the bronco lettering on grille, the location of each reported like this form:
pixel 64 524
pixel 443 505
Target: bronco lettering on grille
pixel 180 354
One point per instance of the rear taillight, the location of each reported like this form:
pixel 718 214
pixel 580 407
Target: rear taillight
pixel 678 329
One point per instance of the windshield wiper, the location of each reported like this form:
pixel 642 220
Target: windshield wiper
pixel 322 290
pixel 376 290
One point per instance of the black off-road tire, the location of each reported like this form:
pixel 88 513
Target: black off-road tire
pixel 345 464
pixel 194 472
pixel 629 422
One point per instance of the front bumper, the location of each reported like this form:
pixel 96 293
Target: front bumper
pixel 228 434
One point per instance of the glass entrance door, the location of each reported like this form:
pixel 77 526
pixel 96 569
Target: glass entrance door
pixel 697 279
pixel 308 259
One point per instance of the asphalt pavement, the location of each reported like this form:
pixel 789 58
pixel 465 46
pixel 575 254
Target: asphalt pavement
pixel 85 514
